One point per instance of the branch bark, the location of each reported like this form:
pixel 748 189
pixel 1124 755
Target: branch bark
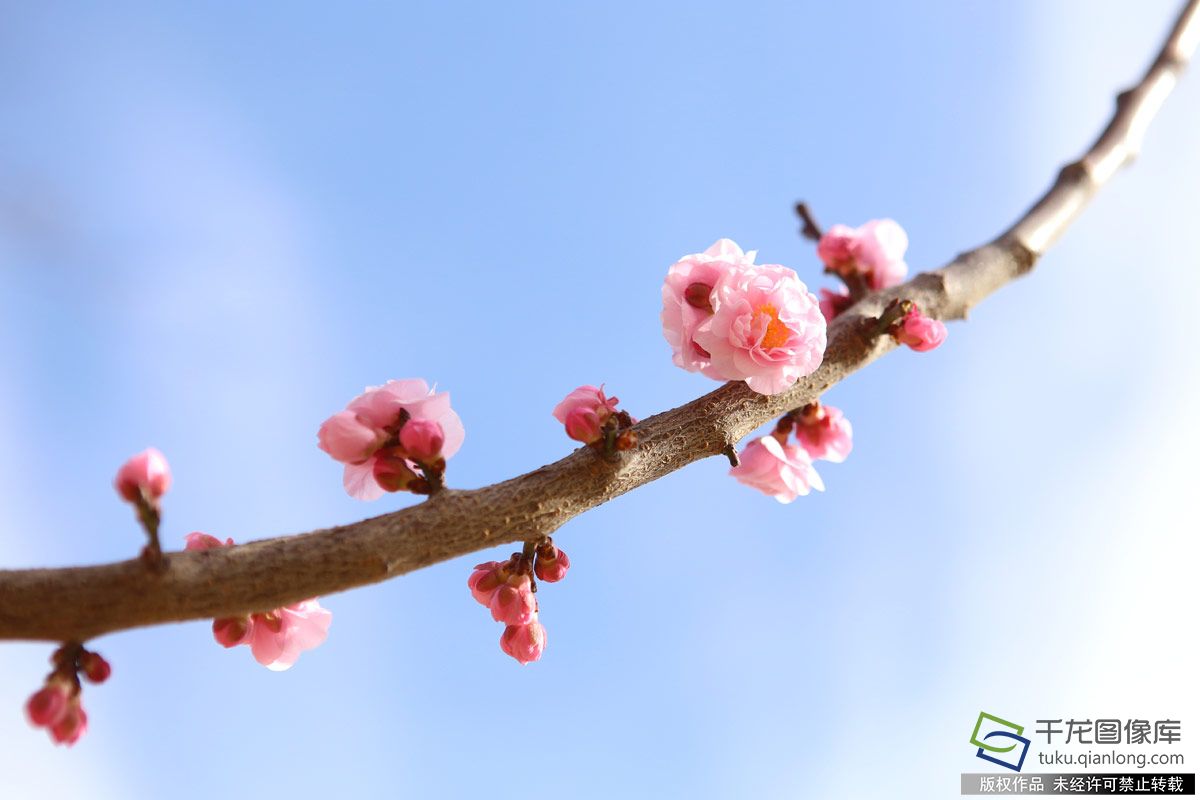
pixel 80 603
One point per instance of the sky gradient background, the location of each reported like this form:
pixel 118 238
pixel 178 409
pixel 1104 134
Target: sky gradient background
pixel 218 223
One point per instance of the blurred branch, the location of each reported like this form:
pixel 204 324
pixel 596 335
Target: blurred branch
pixel 77 604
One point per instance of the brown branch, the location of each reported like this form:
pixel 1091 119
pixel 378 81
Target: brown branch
pixel 77 604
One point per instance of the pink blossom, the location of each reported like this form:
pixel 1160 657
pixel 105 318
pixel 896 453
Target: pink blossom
pixel 834 303
pixel 784 471
pixel 371 427
pixel 145 474
pixel 71 726
pixel 422 439
pixel 486 580
pixel 95 667
pixel 767 329
pixel 514 603
pixel 689 298
pixel 278 637
pixel 551 564
pixel 347 438
pixel 881 248
pixel 918 331
pixel 48 705
pixel 524 642
pixel 874 250
pixel 824 432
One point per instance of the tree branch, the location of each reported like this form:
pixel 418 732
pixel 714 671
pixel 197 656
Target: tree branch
pixel 77 604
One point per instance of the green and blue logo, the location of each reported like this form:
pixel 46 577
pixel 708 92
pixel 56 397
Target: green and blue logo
pixel 998 739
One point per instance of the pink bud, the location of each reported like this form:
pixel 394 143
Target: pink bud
pixel 348 438
pixel 422 439
pixel 514 603
pixel 485 581
pixel 834 303
pixel 583 425
pixel 146 473
pixel 918 331
pixel 837 248
pixel 47 705
pixel 95 667
pixel 552 564
pixel 232 631
pixel 202 541
pixel 525 642
pixel 391 471
pixel 71 726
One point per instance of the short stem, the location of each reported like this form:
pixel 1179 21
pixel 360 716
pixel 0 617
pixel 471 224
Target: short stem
pixel 810 230
pixel 895 311
pixel 149 517
pixel 528 553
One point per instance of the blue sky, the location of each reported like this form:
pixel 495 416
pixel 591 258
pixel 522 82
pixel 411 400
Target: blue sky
pixel 217 224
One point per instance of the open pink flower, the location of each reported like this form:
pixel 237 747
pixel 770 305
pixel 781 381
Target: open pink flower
pixel 766 329
pixel 279 636
pixel 784 471
pixel 918 331
pixel 689 298
pixel 276 638
pixel 371 427
pixel 524 642
pixel 145 474
pixel 824 432
pixel 875 250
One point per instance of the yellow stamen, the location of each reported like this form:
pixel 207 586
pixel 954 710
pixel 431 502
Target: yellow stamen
pixel 777 333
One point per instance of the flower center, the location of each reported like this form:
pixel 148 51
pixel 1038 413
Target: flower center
pixel 777 333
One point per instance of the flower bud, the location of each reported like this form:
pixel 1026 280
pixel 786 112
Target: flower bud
pixel 422 439
pixel 71 726
pixel 391 470
pixel 145 474
pixel 514 603
pixel 919 332
pixel 485 581
pixel 552 564
pixel 47 705
pixel 95 668
pixel 232 631
pixel 583 425
pixel 525 642
pixel 834 303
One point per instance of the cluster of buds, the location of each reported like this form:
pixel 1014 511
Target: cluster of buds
pixel 57 706
pixel 142 481
pixel 277 637
pixel 508 589
pixel 783 469
pixel 594 419
pixel 393 438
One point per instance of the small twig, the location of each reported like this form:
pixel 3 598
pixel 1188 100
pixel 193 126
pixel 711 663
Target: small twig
pixel 730 452
pixel 810 229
